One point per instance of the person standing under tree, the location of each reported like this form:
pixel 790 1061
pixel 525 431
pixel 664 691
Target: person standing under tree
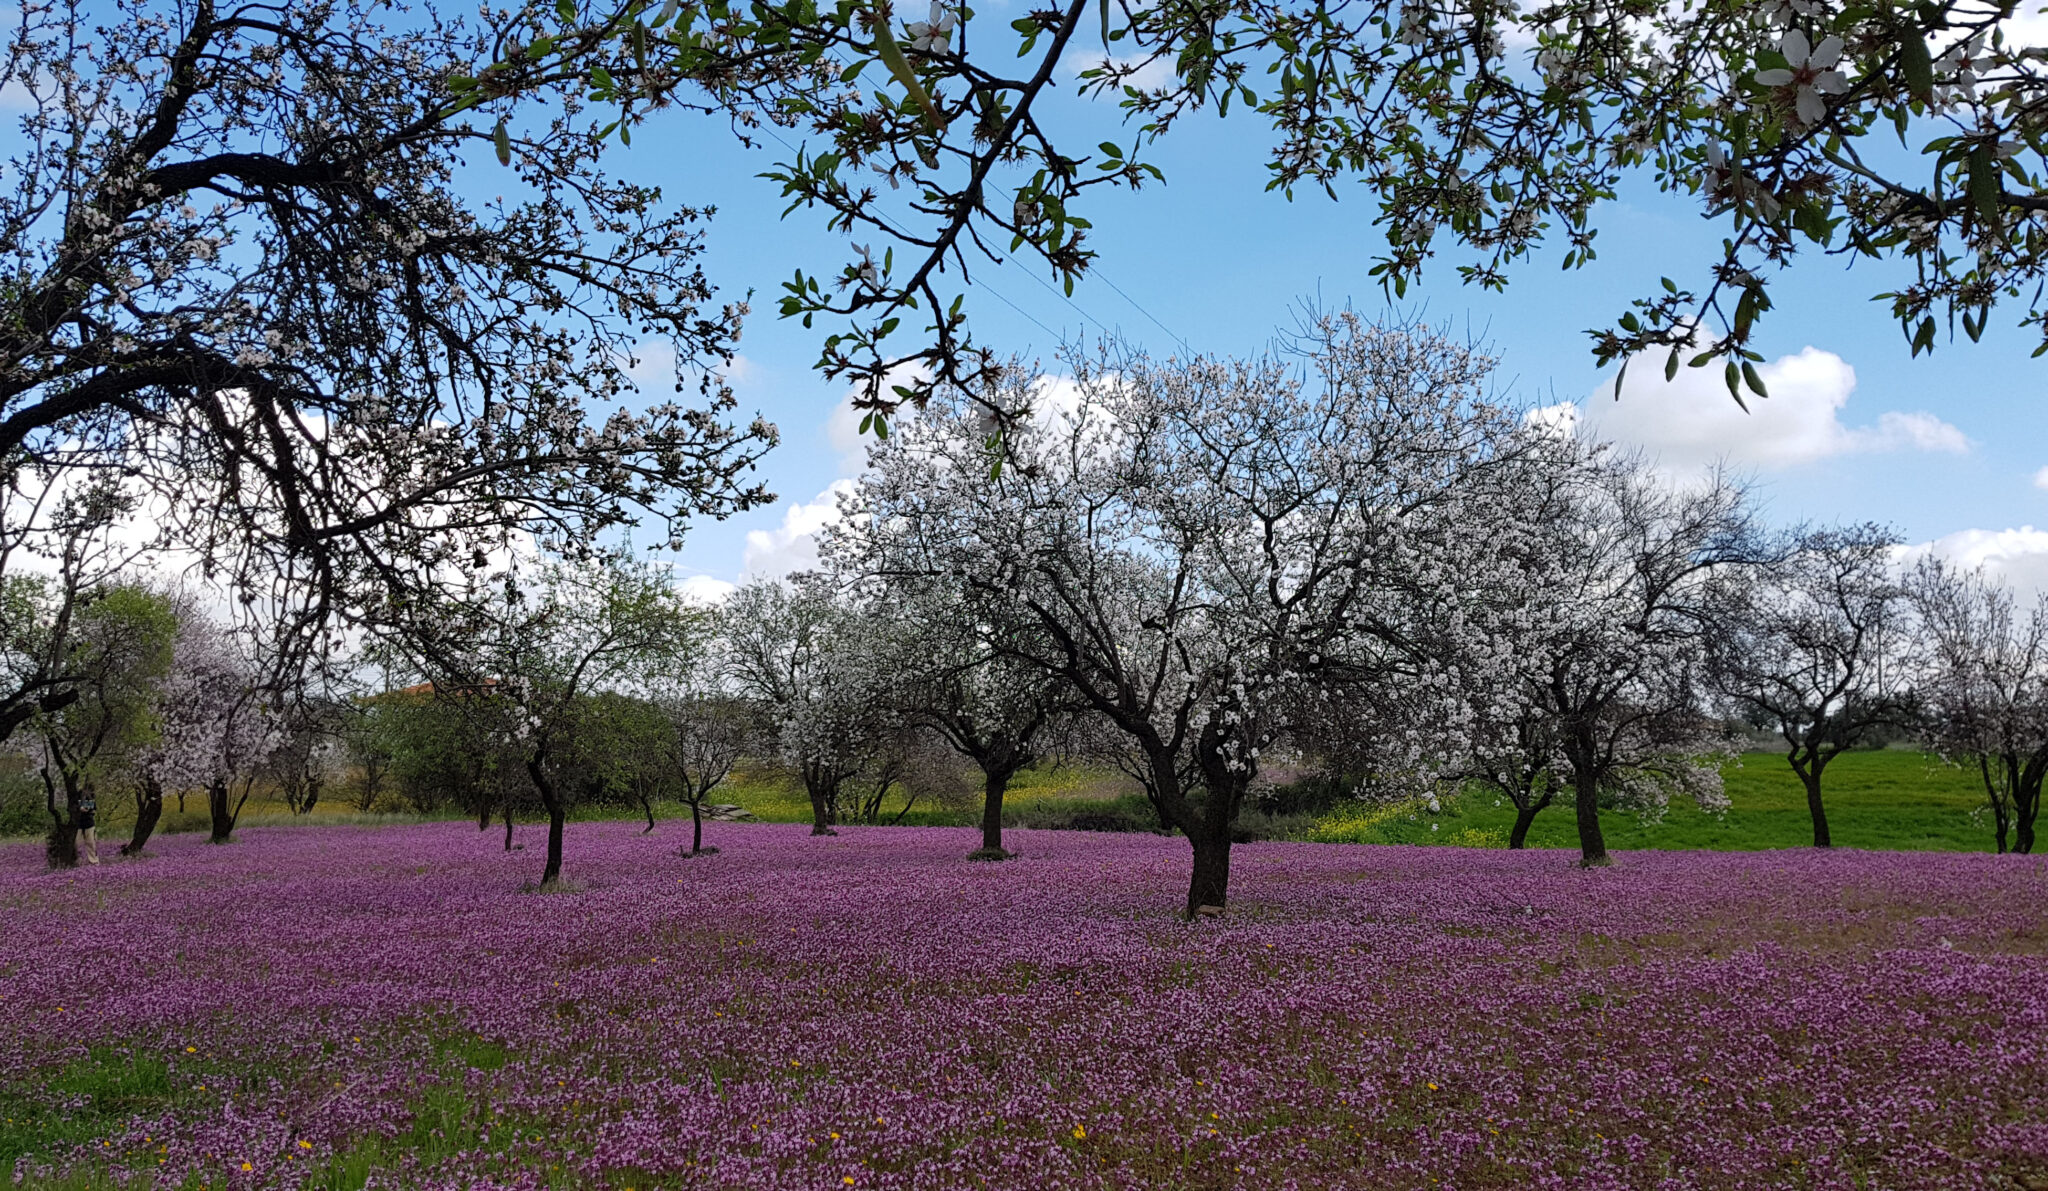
pixel 86 820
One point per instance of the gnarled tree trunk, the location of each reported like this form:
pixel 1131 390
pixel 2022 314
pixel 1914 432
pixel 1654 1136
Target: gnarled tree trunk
pixel 62 845
pixel 1526 811
pixel 1209 884
pixel 822 785
pixel 1808 761
pixel 149 807
pixel 223 810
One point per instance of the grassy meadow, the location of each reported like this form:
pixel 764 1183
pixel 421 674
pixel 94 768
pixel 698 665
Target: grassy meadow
pixel 1890 799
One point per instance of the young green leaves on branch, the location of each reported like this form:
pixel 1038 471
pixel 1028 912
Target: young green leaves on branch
pixel 1486 128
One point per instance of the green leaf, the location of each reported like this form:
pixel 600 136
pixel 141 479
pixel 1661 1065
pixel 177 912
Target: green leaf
pixel 503 140
pixel 1733 375
pixel 1671 366
pixel 1110 149
pixel 1750 378
pixel 1916 65
pixel 566 9
pixel 1984 183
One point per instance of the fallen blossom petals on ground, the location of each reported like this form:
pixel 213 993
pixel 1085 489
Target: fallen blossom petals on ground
pixel 321 1007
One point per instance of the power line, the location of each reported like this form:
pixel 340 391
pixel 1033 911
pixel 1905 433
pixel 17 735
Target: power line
pixel 1105 279
pixel 1041 282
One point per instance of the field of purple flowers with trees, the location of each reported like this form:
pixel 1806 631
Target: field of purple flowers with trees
pixel 318 1007
pixel 326 478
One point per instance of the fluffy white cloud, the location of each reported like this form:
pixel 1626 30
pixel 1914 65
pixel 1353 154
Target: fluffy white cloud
pixel 2041 479
pixel 2018 556
pixel 704 591
pixel 793 545
pixel 1690 423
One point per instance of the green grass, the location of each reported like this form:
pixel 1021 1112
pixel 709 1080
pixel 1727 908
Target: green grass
pixel 89 1098
pixel 97 1096
pixel 1885 799
pixel 1889 799
pixel 1036 797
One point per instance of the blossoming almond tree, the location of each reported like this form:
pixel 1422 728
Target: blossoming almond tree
pixel 803 653
pixel 536 645
pixel 1816 649
pixel 241 275
pixel 1199 547
pixel 1631 589
pixel 218 723
pixel 952 670
pixel 1983 679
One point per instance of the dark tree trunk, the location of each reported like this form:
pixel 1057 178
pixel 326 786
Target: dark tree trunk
pixel 696 826
pixel 1811 780
pixel 2026 808
pixel 223 811
pixel 1999 825
pixel 821 801
pixel 557 819
pixel 995 783
pixel 647 805
pixel 508 822
pixel 62 845
pixel 1586 802
pixel 149 807
pixel 1582 749
pixel 1808 761
pixel 1210 883
pixel 1525 814
pixel 558 815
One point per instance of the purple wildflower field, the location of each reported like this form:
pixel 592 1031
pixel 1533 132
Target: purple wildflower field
pixel 332 1005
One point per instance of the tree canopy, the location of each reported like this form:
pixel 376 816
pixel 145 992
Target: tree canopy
pixel 1485 129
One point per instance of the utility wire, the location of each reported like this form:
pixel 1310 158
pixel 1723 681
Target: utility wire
pixel 1032 274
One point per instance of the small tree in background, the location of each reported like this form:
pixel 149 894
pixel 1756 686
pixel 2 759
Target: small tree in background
pixel 537 645
pixel 122 647
pixel 707 734
pixel 954 675
pixel 217 727
pixel 801 653
pixel 1815 648
pixel 1625 593
pixel 1983 677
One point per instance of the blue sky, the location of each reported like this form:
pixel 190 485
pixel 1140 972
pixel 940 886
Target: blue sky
pixel 1944 448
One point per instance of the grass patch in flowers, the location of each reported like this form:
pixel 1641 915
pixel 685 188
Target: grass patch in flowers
pixel 1886 799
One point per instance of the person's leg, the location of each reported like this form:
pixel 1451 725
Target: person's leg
pixel 88 841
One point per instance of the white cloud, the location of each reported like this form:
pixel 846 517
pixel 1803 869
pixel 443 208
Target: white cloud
pixel 2018 556
pixel 1691 423
pixel 793 545
pixel 704 591
pixel 2041 479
